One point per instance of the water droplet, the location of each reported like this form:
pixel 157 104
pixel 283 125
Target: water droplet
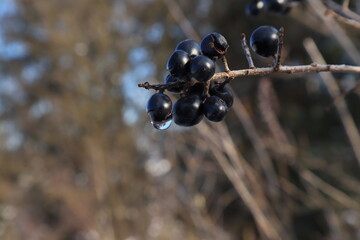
pixel 161 125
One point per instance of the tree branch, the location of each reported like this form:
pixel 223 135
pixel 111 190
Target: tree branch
pixel 314 67
pixel 342 19
pixel 342 10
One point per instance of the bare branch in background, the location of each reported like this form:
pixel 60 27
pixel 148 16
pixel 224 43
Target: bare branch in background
pixel 344 20
pixel 334 91
pixel 179 16
pixel 320 9
pixel 343 9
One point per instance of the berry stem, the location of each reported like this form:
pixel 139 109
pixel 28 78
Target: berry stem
pixel 280 46
pixel 247 51
pixel 226 65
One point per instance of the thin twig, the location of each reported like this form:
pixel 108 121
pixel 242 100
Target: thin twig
pixel 247 51
pixel 289 69
pixel 160 87
pixel 344 94
pixel 345 4
pixel 346 12
pixel 265 71
pixel 330 190
pixel 344 20
pixel 279 50
pixel 226 65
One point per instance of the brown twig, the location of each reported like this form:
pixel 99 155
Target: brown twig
pixel 226 65
pixel 342 19
pixel 344 94
pixel 247 51
pixel 343 10
pixel 160 87
pixel 279 50
pixel 265 71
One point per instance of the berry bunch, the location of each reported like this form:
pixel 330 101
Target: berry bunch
pixel 190 67
pixel 255 7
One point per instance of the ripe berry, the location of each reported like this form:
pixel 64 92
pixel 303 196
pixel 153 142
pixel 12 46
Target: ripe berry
pixel 215 109
pixel 224 93
pixel 159 108
pixel 202 68
pixel 178 63
pixel 190 46
pixel 264 41
pixel 276 6
pixel 173 79
pixel 214 45
pixel 255 7
pixel 188 111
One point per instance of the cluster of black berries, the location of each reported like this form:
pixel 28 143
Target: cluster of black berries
pixel 190 67
pixel 255 7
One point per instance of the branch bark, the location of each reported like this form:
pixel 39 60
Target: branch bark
pixel 314 67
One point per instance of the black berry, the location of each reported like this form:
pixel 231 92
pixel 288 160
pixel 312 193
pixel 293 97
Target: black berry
pixel 159 108
pixel 255 7
pixel 215 109
pixel 190 46
pixel 178 63
pixel 224 93
pixel 188 111
pixel 264 41
pixel 276 6
pixel 214 45
pixel 202 68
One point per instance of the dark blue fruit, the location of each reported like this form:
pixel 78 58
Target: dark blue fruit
pixel 264 41
pixel 178 63
pixel 214 45
pixel 188 111
pixel 190 46
pixel 172 79
pixel 215 109
pixel 224 93
pixel 159 108
pixel 254 8
pixel 202 68
pixel 276 6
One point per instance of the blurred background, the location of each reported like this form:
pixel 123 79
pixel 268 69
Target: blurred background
pixel 79 159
